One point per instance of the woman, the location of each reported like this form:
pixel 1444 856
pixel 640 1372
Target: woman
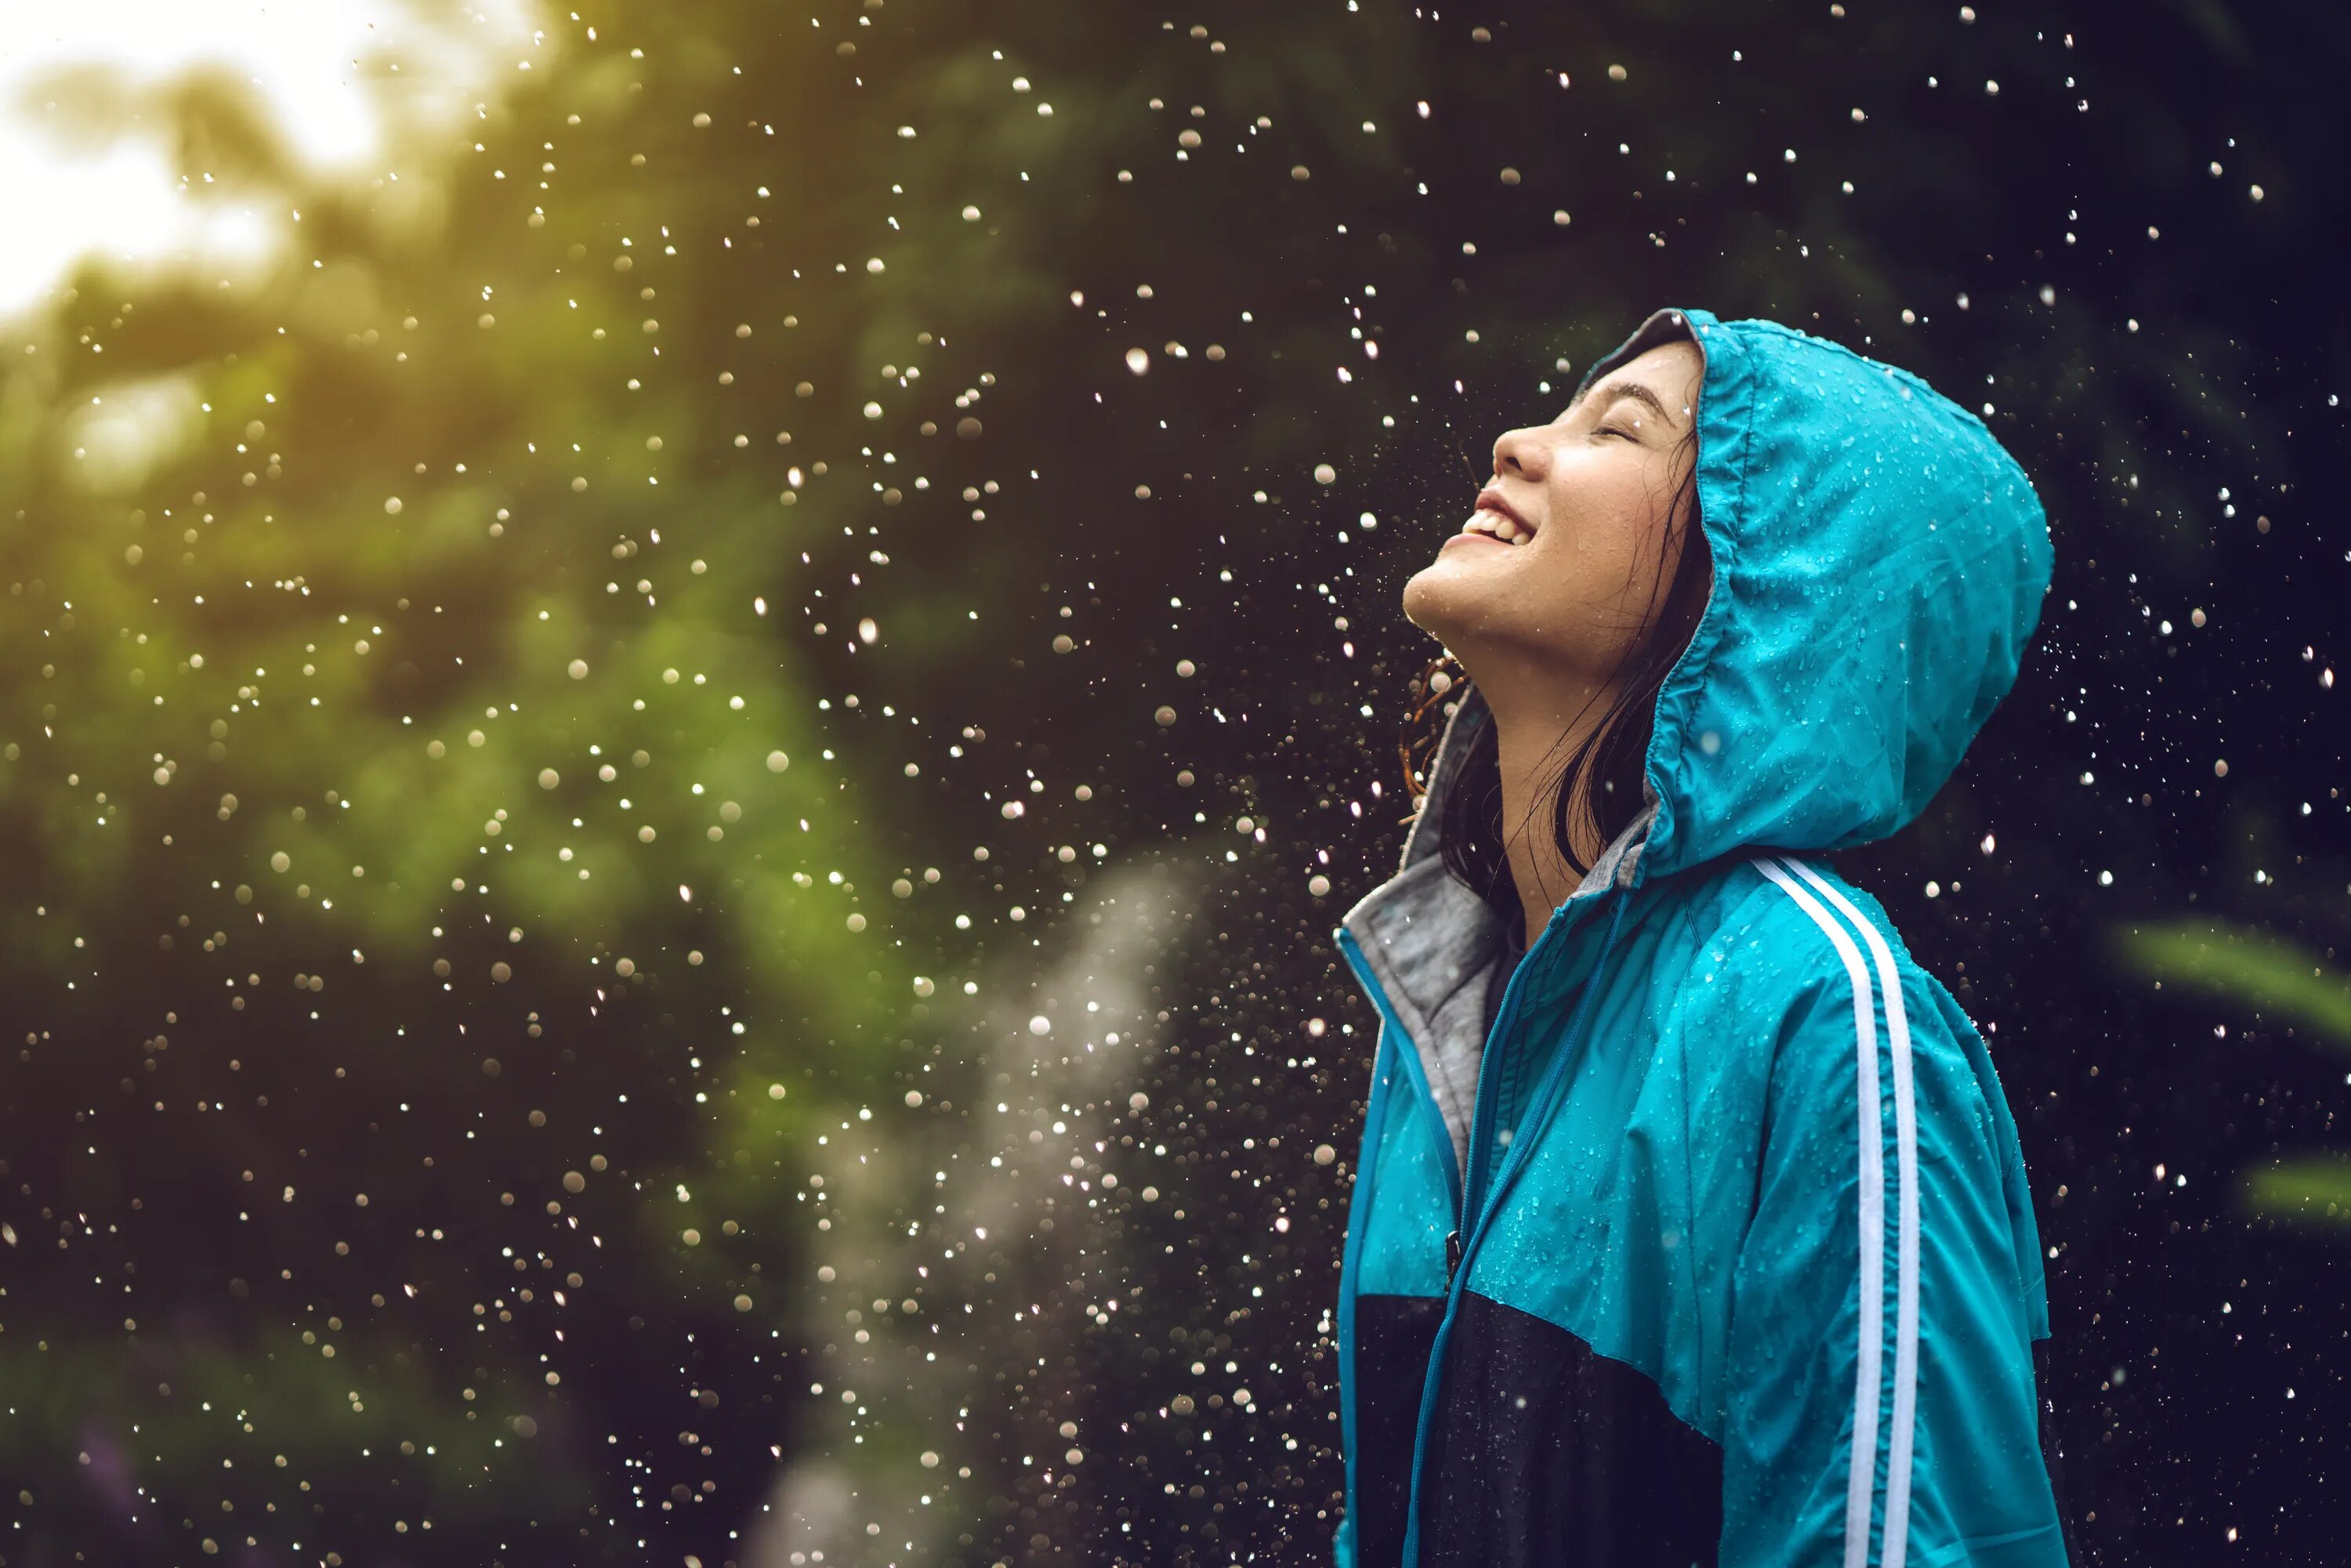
pixel 1690 1224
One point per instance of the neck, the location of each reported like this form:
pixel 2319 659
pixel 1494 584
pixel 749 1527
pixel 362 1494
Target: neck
pixel 1537 727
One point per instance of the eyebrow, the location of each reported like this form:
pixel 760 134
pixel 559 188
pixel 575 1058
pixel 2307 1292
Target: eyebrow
pixel 1611 392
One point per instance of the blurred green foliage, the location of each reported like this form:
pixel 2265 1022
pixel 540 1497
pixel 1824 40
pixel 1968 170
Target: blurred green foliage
pixel 2273 978
pixel 2280 983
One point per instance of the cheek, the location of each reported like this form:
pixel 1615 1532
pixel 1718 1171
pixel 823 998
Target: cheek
pixel 1603 518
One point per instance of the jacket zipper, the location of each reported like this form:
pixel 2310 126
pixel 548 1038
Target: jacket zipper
pixel 1464 1193
pixel 1469 1191
pixel 1483 1102
pixel 1475 1217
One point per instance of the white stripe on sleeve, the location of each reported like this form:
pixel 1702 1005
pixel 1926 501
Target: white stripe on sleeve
pixel 1860 1488
pixel 1905 1152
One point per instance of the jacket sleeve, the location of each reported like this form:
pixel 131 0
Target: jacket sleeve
pixel 1878 1400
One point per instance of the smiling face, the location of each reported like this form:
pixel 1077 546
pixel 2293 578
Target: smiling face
pixel 1560 563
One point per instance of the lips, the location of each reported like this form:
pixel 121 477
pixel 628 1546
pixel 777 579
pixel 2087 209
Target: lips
pixel 1470 536
pixel 1496 519
pixel 1491 498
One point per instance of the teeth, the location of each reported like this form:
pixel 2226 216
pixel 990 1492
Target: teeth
pixel 1500 528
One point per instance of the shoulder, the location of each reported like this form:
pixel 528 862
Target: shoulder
pixel 1783 926
pixel 1787 957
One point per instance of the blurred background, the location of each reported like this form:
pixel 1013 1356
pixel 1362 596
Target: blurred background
pixel 689 692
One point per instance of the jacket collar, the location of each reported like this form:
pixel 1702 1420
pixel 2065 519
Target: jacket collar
pixel 1428 940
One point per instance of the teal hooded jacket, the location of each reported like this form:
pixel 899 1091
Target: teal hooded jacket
pixel 1700 1233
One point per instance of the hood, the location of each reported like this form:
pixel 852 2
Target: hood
pixel 1879 564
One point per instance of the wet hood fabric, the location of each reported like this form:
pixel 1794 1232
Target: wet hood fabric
pixel 1879 565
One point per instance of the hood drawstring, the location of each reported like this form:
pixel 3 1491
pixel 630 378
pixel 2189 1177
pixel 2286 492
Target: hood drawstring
pixel 1538 1111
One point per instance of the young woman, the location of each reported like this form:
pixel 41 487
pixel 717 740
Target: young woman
pixel 1690 1224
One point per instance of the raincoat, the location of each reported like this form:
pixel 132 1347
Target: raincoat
pixel 1710 1242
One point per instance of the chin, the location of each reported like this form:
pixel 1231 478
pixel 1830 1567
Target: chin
pixel 1437 601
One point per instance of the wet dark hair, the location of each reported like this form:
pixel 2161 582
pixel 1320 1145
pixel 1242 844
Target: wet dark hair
pixel 1611 760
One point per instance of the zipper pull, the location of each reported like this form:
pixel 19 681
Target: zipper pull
pixel 1452 1256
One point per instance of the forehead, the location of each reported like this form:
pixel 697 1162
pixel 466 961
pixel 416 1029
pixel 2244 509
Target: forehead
pixel 1671 371
pixel 1668 368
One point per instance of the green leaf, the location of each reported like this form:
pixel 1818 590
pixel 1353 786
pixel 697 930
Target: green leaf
pixel 2316 1190
pixel 2273 978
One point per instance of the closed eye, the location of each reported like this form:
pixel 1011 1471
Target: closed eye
pixel 1612 430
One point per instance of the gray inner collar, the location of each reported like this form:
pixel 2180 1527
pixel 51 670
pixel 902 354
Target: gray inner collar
pixel 1429 940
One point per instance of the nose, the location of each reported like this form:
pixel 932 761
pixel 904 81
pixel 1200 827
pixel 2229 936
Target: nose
pixel 1522 453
